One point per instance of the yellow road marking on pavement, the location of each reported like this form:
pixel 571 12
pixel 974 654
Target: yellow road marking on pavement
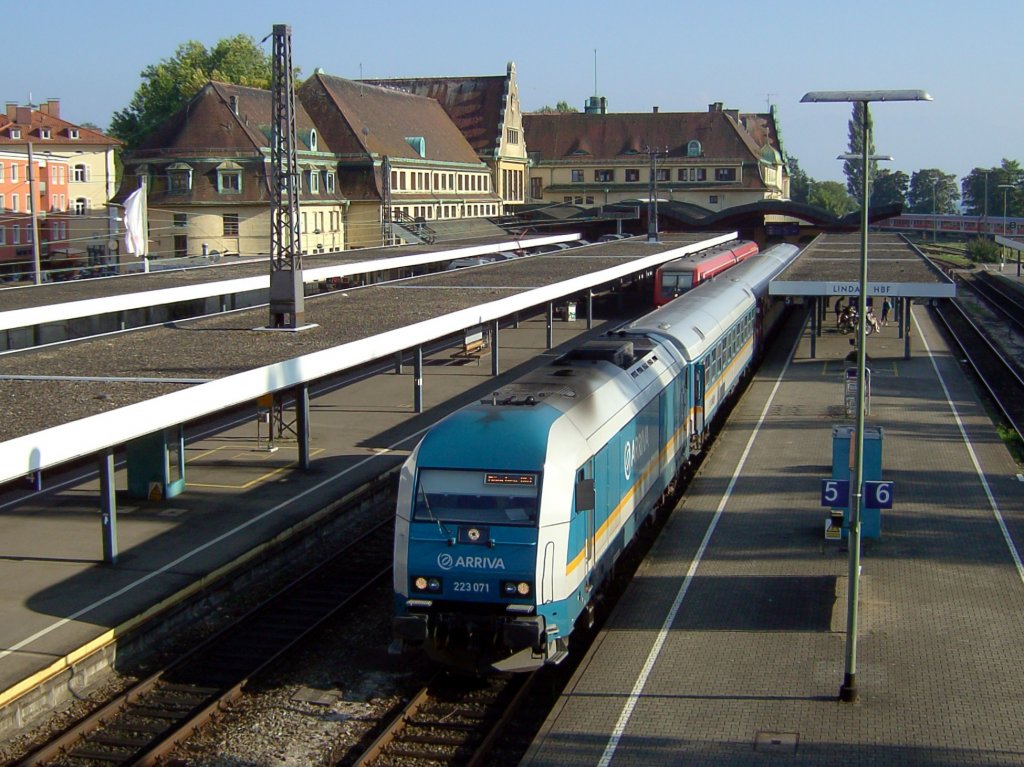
pixel 265 477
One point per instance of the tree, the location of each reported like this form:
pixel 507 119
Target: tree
pixel 854 169
pixel 562 107
pixel 932 191
pixel 982 195
pixel 168 85
pixel 890 188
pixel 799 182
pixel 831 196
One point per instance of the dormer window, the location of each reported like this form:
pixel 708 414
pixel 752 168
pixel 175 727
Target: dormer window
pixel 313 180
pixel 229 178
pixel 313 141
pixel 73 134
pixel 329 181
pixel 44 133
pixel 15 132
pixel 179 178
pixel 693 149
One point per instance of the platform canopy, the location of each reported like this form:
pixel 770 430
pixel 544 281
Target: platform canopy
pixel 830 266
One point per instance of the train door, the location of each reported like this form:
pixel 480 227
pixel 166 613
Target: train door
pixel 586 504
pixel 699 385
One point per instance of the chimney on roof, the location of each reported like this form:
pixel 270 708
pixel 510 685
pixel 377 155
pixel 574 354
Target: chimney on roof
pixel 11 107
pixel 716 107
pixel 596 105
pixel 655 110
pixel 51 107
pixel 234 104
pixel 24 116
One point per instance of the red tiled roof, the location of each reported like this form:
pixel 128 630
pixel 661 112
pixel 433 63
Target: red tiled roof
pixel 378 120
pixel 619 135
pixel 210 123
pixel 474 104
pixel 58 131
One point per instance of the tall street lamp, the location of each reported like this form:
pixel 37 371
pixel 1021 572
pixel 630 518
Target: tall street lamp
pixel 34 213
pixel 848 690
pixel 1006 191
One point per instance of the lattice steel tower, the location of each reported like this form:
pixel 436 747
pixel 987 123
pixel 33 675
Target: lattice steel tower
pixel 287 304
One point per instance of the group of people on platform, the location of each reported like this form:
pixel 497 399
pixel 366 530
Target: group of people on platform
pixel 846 316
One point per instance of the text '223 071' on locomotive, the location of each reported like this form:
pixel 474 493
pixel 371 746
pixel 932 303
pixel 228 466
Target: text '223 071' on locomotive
pixel 513 511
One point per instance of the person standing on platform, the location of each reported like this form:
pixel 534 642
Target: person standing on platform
pixel 839 309
pixel 886 307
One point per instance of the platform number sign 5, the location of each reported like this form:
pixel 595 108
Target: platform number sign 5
pixel 835 492
pixel 878 495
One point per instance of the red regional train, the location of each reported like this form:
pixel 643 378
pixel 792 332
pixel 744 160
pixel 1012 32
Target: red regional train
pixel 676 277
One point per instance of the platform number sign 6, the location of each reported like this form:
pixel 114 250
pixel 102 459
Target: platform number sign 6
pixel 835 492
pixel 878 495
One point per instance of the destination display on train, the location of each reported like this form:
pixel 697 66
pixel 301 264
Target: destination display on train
pixel 510 479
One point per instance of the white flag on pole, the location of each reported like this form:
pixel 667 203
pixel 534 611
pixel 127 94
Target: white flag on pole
pixel 135 222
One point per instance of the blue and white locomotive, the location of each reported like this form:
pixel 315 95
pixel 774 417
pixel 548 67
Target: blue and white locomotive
pixel 512 512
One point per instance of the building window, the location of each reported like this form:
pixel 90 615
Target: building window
pixel 14 203
pixel 81 206
pixel 15 235
pixel 329 181
pixel 180 220
pixel 1 171
pixel 702 174
pixel 230 224
pixel 81 173
pixel 14 173
pixel 713 199
pixel 3 235
pixel 512 135
pixel 1 202
pixel 725 174
pixel 229 181
pixel 313 180
pixel 44 133
pixel 604 175
pixel 73 134
pixel 662 174
pixel 693 149
pixel 313 141
pixel 536 187
pixel 15 133
pixel 632 174
pixel 590 200
pixel 567 200
pixel 179 178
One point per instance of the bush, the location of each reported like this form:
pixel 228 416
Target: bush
pixel 982 250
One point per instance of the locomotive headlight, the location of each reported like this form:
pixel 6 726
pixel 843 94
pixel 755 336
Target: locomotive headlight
pixel 423 584
pixel 516 588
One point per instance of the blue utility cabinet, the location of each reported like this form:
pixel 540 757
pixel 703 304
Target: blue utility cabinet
pixel 843 446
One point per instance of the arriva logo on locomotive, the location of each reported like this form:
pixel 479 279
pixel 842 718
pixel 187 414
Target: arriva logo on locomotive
pixel 635 450
pixel 447 562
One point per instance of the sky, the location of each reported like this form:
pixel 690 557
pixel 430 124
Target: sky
pixel 680 56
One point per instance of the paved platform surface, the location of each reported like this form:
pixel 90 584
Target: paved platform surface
pixel 58 598
pixel 729 646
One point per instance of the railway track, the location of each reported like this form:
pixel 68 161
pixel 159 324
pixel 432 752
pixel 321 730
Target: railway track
pixel 1003 299
pixel 452 721
pixel 150 719
pixel 994 369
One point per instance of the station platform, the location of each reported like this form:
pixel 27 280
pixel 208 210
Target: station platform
pixel 728 647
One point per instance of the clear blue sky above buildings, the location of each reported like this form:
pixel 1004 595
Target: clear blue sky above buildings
pixel 678 55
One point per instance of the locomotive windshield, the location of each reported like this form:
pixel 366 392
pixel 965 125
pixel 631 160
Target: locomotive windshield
pixel 480 497
pixel 676 283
